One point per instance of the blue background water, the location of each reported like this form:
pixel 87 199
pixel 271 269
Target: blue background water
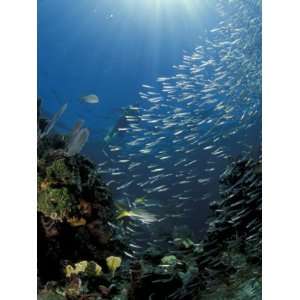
pixel 110 48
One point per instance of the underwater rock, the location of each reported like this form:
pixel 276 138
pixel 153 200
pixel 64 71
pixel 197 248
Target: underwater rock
pixel 49 295
pixel 153 254
pixel 63 171
pixel 231 251
pixel 54 203
pixel 74 209
pixel 155 284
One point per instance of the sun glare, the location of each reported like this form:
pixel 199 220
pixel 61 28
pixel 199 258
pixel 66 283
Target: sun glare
pixel 155 8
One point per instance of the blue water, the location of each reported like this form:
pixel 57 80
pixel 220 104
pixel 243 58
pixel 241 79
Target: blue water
pixel 111 48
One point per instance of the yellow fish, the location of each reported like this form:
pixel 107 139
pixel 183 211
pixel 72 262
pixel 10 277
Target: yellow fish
pixel 139 214
pixel 136 213
pixel 125 214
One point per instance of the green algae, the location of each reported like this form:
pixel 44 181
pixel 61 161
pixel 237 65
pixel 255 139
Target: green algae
pixel 60 171
pixel 54 203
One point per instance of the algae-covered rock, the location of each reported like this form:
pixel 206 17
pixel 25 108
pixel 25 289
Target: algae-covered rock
pixel 153 254
pixel 54 203
pixel 74 210
pixel 231 251
pixel 50 295
pixel 62 171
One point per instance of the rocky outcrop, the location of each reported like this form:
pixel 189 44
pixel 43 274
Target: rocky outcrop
pixel 74 209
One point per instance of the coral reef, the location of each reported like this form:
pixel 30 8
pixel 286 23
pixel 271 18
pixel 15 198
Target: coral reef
pixel 80 256
pixel 229 259
pixel 74 209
